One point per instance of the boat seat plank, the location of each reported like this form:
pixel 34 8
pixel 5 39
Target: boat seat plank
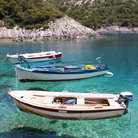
pixel 48 99
pixel 39 95
pixel 93 104
pixel 80 101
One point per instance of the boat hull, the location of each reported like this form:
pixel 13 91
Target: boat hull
pixel 88 106
pixel 35 59
pixel 26 75
pixel 70 114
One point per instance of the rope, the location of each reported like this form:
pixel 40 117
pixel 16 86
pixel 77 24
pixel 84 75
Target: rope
pixel 129 120
pixel 131 112
pixel 3 61
pixel 2 93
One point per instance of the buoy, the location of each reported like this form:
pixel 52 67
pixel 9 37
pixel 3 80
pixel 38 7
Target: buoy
pixel 108 74
pixel 89 67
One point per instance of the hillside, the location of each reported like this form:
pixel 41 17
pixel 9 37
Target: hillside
pixel 90 13
pixel 71 2
pixel 27 13
pixel 101 13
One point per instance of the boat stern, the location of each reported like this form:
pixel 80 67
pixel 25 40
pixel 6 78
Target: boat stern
pixel 125 97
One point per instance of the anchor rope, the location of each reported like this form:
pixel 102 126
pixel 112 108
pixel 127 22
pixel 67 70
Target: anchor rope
pixel 130 120
pixel 3 61
pixel 2 93
pixel 131 112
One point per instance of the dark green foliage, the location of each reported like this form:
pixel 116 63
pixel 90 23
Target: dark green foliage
pixel 28 13
pixel 9 23
pixel 1 14
pixel 1 25
pixel 102 13
pixel 110 12
pixel 38 13
pixel 63 8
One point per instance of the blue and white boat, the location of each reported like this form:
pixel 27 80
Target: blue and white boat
pixel 60 73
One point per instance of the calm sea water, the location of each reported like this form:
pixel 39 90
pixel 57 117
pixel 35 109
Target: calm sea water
pixel 120 52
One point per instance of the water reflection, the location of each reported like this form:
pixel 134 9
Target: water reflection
pixel 121 55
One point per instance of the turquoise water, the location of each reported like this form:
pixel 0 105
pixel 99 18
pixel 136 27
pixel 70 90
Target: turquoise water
pixel 120 52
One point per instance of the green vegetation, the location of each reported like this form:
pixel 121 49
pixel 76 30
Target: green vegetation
pixel 28 13
pixel 102 13
pixel 38 13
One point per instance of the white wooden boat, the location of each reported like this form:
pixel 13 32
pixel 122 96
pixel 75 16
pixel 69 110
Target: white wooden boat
pixel 35 57
pixel 60 73
pixel 72 106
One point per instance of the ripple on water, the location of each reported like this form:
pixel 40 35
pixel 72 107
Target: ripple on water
pixel 121 55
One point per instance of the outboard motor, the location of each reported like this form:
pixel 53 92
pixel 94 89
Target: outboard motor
pixel 125 97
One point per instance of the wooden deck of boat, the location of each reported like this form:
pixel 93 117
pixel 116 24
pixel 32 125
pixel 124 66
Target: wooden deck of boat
pixel 41 99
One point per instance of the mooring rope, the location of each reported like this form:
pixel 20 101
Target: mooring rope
pixel 129 120
pixel 3 61
pixel 131 112
pixel 2 93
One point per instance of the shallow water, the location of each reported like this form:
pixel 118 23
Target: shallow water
pixel 120 52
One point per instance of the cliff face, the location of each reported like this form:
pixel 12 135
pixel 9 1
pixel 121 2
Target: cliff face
pixel 62 29
pixel 78 2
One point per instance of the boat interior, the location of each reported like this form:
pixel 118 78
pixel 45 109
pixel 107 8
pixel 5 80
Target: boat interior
pixel 70 100
pixel 38 55
pixel 70 68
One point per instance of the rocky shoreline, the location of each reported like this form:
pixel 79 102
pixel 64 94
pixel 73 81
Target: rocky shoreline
pixel 117 30
pixel 63 29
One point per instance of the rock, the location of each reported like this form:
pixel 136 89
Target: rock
pixel 117 30
pixel 64 28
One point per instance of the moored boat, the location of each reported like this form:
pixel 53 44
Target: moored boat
pixel 72 106
pixel 60 73
pixel 35 57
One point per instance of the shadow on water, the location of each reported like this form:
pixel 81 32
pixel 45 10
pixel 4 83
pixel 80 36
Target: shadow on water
pixel 46 63
pixel 29 132
pixel 37 88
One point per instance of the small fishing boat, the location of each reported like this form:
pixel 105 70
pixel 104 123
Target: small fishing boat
pixel 34 57
pixel 60 73
pixel 72 106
